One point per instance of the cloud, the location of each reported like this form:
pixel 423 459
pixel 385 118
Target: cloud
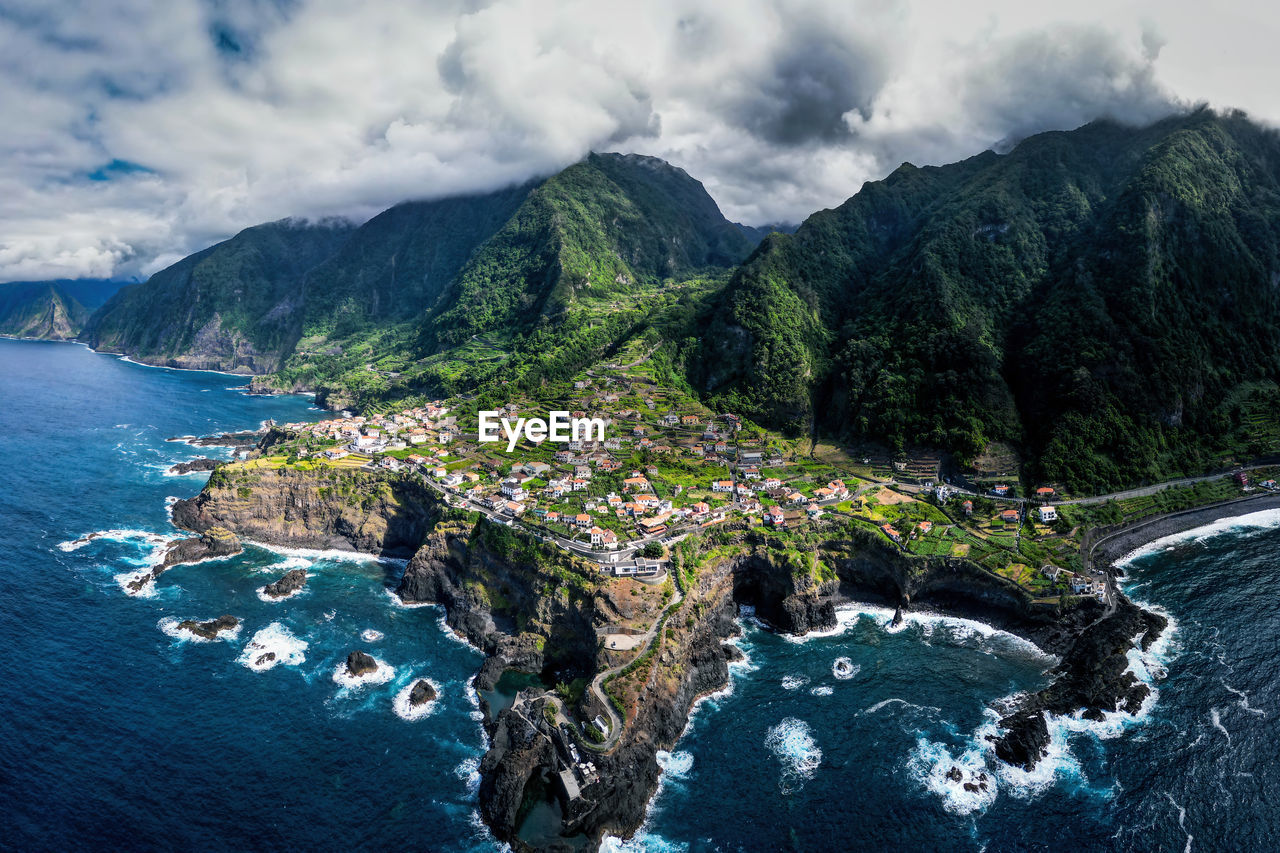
pixel 137 132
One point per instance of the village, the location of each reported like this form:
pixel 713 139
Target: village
pixel 667 467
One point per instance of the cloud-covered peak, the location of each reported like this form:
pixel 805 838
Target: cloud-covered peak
pixel 136 132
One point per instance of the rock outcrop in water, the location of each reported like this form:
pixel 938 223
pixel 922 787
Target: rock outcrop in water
pixel 1093 677
pixel 360 664
pixel 246 440
pixel 213 542
pixel 195 465
pixel 293 581
pixel 422 693
pixel 211 629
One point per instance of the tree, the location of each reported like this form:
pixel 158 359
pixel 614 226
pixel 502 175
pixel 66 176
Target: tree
pixel 652 550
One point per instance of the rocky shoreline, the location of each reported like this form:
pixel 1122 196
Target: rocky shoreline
pixel 1113 544
pixel 195 466
pixel 212 543
pixel 536 610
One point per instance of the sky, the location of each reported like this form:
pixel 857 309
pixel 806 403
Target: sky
pixel 133 132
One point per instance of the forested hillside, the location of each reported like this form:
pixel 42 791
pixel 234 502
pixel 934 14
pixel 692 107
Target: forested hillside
pixel 1105 298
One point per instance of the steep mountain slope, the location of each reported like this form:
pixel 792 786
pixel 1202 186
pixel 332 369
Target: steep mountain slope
pixel 551 273
pixel 40 310
pixel 600 228
pixel 1099 297
pixel 234 306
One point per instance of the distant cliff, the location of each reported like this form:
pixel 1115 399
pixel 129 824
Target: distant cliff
pixel 40 310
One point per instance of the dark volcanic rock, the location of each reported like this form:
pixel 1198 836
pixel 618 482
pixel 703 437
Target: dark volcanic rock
pixel 265 658
pixel 210 630
pixel 1026 740
pixel 422 693
pixel 294 580
pixel 228 439
pixel 1092 677
pixel 214 542
pixel 201 464
pixel 360 663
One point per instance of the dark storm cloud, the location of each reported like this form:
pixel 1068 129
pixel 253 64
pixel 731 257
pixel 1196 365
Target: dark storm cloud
pixel 801 94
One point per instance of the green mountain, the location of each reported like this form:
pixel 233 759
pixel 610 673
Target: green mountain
pixel 233 306
pixel 1105 299
pixel 436 296
pixel 40 309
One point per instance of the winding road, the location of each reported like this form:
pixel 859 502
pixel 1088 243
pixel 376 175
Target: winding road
pixel 597 683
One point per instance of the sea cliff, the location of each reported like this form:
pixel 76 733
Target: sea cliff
pixel 535 609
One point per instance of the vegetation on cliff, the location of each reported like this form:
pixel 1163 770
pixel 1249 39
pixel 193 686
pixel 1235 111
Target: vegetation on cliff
pixel 40 310
pixel 1104 298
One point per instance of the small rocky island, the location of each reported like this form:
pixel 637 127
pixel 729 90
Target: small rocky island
pixel 292 582
pixel 422 693
pixel 211 629
pixel 360 664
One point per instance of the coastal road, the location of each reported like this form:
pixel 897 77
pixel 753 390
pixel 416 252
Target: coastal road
pixel 1144 491
pixel 1140 492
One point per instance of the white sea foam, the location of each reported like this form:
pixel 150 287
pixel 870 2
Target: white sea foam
pixel 147 590
pixel 399 602
pixel 930 762
pixel 381 675
pixel 1249 522
pixel 676 765
pixel 1182 822
pixel 642 842
pixel 1244 700
pixel 370 635
pixel 1216 720
pixel 334 554
pixel 409 712
pixel 469 772
pixel 844 669
pixel 169 625
pixel 893 700
pixel 822 690
pixel 791 741
pixel 128 360
pixel 113 535
pixel 794 682
pixel 955 629
pixel 285 565
pixel 474 698
pixel 275 639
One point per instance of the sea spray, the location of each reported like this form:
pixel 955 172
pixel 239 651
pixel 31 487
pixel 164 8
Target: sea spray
pixel 791 742
pixel 272 646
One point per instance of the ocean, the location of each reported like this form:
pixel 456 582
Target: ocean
pixel 119 731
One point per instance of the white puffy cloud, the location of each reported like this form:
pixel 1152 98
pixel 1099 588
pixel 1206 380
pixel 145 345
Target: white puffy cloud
pixel 136 132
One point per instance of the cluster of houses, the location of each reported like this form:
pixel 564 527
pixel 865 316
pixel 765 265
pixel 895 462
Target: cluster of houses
pixel 416 427
pixel 921 529
pixel 1095 585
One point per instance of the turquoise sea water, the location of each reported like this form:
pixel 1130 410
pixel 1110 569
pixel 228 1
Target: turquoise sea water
pixel 116 732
